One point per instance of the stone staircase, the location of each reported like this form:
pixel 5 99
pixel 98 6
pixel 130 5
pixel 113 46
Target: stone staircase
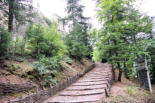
pixel 91 88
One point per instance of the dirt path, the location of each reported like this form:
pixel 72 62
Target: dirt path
pixel 88 89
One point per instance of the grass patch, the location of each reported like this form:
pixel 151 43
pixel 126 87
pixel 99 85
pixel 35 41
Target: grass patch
pixel 131 90
pixel 133 94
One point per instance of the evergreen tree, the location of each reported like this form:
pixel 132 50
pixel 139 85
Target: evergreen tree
pixel 78 39
pixel 119 42
pixel 44 40
pixel 75 10
pixel 17 9
pixel 5 39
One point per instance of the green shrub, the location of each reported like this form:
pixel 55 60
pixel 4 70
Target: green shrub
pixel 131 90
pixel 113 102
pixel 67 60
pixel 47 68
pixel 19 45
pixel 14 67
pixel 44 40
pixel 5 38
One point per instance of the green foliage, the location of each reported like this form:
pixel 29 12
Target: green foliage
pixel 131 90
pixel 112 101
pixel 67 59
pixel 19 10
pixel 96 55
pixel 121 39
pixel 49 23
pixel 78 39
pixel 5 38
pixel 103 101
pixel 19 46
pixel 75 16
pixel 45 41
pixel 151 50
pixel 14 67
pixel 77 43
pixel 47 68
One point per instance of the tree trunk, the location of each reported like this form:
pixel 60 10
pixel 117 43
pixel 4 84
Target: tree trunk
pixel 120 72
pixel 153 68
pixel 148 76
pixel 143 73
pixel 23 48
pixel 11 13
pixel 125 70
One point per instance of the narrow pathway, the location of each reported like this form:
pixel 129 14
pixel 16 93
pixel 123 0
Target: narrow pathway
pixel 88 89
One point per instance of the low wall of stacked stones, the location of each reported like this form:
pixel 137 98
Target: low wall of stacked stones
pixel 111 79
pixel 6 88
pixel 40 96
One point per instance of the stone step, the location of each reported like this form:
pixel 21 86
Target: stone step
pixel 89 83
pixel 89 89
pixel 97 77
pixel 92 80
pixel 76 99
pixel 92 87
pixel 99 74
pixel 82 93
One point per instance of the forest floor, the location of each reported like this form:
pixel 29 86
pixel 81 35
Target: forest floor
pixel 15 72
pixel 128 92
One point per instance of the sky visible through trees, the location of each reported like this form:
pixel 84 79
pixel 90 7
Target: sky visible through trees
pixel 52 7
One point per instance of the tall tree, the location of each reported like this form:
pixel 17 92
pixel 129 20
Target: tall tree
pixel 77 39
pixel 75 16
pixel 119 36
pixel 17 9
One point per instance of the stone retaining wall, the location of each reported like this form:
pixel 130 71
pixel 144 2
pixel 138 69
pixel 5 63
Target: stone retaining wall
pixel 42 95
pixel 110 82
pixel 6 88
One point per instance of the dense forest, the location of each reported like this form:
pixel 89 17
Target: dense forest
pixel 26 35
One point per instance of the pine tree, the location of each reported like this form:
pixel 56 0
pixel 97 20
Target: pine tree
pixel 77 39
pixel 17 9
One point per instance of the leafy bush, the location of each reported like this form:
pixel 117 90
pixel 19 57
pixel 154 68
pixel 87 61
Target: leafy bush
pixel 47 68
pixel 19 45
pixel 5 38
pixel 45 40
pixel 131 90
pixel 67 60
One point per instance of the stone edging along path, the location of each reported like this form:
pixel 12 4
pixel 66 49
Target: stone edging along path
pixel 7 88
pixel 42 95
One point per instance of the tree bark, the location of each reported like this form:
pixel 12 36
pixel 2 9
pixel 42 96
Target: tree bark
pixel 148 76
pixel 120 72
pixel 11 14
pixel 143 73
